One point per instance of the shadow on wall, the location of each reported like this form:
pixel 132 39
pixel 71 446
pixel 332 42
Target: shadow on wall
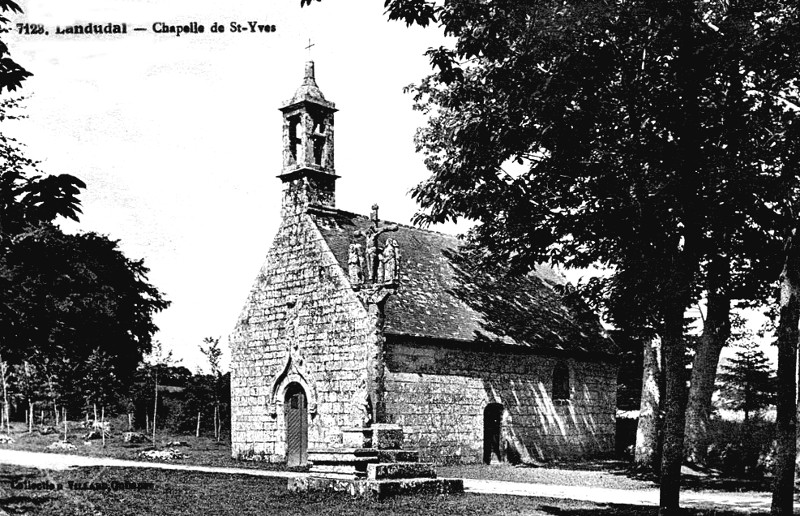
pixel 441 401
pixel 527 332
pixel 552 413
pixel 535 427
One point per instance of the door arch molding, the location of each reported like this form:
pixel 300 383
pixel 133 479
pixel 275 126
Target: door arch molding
pixel 292 372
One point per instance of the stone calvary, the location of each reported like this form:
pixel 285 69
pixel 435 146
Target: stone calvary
pixel 366 346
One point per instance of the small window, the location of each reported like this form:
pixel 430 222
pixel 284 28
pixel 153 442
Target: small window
pixel 294 136
pixel 561 382
pixel 319 146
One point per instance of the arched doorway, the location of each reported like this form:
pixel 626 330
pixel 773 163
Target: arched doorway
pixel 296 426
pixel 492 428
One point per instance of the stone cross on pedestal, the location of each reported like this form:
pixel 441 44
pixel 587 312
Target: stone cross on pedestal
pixel 370 460
pixel 374 275
pixel 378 266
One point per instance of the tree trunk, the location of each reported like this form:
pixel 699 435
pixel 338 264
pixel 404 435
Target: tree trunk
pixel 6 406
pixel 215 422
pixel 674 350
pixel 197 431
pixel 649 426
pixel 786 402
pixel 716 331
pixel 130 422
pixel 103 425
pixel 219 422
pixel 155 409
pixel 65 423
pixel 30 416
pixel 146 422
pixel 797 434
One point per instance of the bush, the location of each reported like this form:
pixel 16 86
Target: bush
pixel 741 449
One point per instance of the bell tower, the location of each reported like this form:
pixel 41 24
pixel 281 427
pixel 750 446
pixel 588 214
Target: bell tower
pixel 308 174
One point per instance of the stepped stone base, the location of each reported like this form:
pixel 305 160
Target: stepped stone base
pixel 356 461
pixel 398 456
pixel 394 470
pixel 378 489
pixel 344 461
pixel 373 466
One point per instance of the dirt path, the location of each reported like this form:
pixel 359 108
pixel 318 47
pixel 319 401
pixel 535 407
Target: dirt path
pixel 746 502
pixel 61 461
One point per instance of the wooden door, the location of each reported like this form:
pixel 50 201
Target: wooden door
pixel 296 428
pixel 492 430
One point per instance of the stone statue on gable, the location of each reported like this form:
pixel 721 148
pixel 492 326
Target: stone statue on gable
pixel 355 265
pixel 373 255
pixel 390 261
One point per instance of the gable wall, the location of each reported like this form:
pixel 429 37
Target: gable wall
pixel 327 324
pixel 439 394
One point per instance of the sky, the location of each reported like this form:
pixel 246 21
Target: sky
pixel 178 137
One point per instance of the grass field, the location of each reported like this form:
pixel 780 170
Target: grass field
pixel 201 451
pixel 180 493
pixel 206 451
pixel 185 493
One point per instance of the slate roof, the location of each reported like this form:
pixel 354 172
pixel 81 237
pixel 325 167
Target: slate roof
pixel 442 296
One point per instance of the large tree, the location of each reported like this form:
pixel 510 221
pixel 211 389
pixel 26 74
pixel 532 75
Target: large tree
pixel 11 73
pixel 27 197
pixel 72 296
pixel 746 382
pixel 644 136
pixel 787 332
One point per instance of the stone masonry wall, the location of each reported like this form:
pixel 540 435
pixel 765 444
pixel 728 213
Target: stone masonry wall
pixel 301 323
pixel 438 394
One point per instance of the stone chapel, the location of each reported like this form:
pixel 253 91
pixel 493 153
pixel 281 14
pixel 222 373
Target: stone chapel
pixel 354 321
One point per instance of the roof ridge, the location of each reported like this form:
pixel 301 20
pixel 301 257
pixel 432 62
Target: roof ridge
pixel 324 210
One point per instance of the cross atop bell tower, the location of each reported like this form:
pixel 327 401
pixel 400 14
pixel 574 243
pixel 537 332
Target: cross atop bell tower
pixel 308 171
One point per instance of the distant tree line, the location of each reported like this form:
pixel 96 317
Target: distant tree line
pixel 188 403
pixel 182 401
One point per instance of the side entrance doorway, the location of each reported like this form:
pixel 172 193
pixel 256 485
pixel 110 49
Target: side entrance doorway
pixel 492 429
pixel 296 426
